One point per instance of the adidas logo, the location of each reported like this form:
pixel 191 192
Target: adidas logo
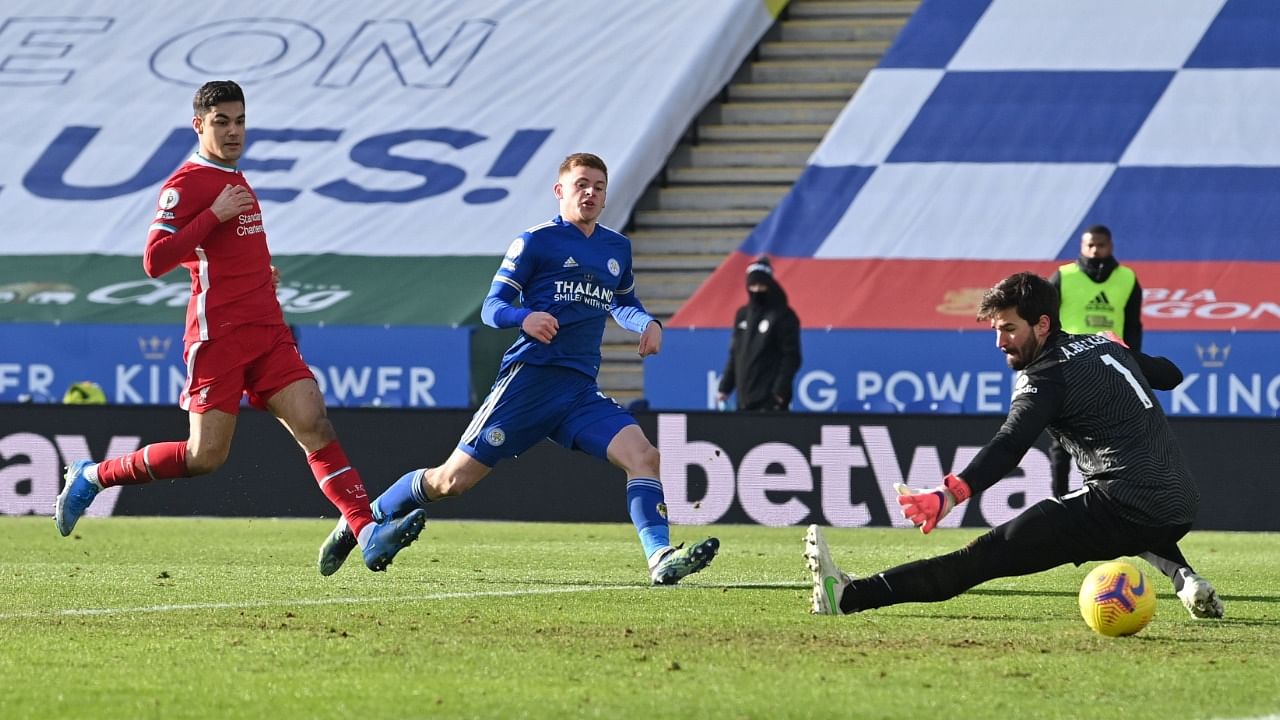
pixel 1100 299
pixel 571 263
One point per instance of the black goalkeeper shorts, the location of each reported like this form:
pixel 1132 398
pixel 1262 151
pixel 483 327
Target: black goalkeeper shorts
pixel 1078 528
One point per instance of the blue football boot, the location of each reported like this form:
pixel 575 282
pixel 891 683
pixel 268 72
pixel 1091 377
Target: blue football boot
pixel 390 536
pixel 76 496
pixel 341 541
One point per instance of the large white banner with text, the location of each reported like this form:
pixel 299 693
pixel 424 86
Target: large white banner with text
pixel 388 127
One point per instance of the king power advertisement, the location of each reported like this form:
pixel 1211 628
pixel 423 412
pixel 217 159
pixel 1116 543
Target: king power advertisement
pixel 1225 374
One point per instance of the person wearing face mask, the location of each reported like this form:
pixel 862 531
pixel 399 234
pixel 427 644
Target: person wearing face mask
pixel 764 353
pixel 1097 295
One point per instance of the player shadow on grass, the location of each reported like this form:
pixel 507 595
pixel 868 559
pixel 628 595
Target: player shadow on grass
pixel 1004 618
pixel 762 585
pixel 1007 592
pixel 1163 594
pixel 1168 597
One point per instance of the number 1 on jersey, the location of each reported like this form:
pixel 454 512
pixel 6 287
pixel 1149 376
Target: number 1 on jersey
pixel 1133 381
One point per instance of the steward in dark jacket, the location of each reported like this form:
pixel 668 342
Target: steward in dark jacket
pixel 764 354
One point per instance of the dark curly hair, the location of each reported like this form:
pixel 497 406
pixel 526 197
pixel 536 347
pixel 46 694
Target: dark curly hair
pixel 1031 294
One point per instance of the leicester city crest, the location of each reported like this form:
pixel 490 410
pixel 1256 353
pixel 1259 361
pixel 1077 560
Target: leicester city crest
pixel 614 267
pixel 495 436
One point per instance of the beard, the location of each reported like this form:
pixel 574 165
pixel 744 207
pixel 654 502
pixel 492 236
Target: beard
pixel 1025 354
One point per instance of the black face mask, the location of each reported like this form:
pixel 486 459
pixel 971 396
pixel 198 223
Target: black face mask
pixel 1096 264
pixel 757 298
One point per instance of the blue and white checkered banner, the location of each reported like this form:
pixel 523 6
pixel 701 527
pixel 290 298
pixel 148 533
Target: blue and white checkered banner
pixel 994 131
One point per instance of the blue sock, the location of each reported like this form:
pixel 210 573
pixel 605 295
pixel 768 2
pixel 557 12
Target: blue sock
pixel 403 497
pixel 648 510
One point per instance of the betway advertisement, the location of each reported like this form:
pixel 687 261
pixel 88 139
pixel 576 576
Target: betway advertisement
pixel 1225 374
pixel 390 128
pixel 778 470
pixel 143 365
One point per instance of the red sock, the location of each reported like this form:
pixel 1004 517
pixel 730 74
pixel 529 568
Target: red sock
pixel 342 485
pixel 158 461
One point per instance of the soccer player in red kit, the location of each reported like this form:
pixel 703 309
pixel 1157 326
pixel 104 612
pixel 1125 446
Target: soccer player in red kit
pixel 236 341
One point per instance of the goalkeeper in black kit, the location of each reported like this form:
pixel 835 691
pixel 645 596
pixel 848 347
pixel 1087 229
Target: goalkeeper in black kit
pixel 1095 397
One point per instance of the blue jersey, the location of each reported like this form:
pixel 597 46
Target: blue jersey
pixel 579 280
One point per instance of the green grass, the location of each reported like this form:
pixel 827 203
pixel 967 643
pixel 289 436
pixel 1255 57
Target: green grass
pixel 228 618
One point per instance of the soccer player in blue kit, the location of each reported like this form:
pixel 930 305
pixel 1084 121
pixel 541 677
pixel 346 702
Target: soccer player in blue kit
pixel 568 275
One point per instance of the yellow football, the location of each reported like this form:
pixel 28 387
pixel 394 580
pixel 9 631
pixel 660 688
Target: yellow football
pixel 1117 599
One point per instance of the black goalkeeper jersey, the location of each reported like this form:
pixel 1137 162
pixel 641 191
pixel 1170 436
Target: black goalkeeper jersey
pixel 1094 397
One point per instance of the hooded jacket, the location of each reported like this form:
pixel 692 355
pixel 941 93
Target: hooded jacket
pixel 764 353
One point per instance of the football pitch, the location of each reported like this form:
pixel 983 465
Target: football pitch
pixel 218 618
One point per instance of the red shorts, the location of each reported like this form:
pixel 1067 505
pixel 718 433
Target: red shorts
pixel 254 360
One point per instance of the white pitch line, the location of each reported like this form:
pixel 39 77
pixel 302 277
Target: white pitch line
pixel 98 612
pixel 88 612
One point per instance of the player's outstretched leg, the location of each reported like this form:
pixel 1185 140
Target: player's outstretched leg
pixel 829 581
pixel 340 542
pixel 76 496
pixel 648 509
pixel 679 562
pixel 390 536
pixel 1200 598
pixel 403 497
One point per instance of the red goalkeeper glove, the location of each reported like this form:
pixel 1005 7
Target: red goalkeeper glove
pixel 926 509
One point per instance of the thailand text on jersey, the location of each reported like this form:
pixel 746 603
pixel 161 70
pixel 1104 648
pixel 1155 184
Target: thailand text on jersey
pixel 577 279
pixel 1092 396
pixel 230 266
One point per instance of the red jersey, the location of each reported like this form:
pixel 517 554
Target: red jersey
pixel 229 261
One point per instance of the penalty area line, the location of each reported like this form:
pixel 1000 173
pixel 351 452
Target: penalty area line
pixel 307 602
